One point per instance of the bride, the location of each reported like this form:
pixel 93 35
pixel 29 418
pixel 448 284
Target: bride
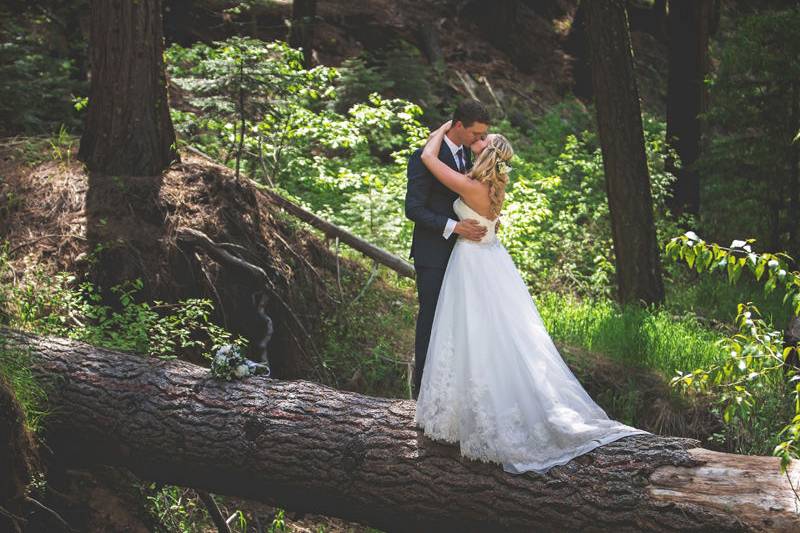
pixel 493 380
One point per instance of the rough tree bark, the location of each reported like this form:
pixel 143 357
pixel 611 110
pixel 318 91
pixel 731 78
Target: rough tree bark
pixel 689 24
pixel 301 32
pixel 619 121
pixel 308 447
pixel 128 130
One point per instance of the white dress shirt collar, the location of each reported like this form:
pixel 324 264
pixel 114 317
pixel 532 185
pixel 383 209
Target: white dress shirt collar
pixel 453 146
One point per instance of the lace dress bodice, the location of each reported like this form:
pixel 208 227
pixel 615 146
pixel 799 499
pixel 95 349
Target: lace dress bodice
pixel 464 211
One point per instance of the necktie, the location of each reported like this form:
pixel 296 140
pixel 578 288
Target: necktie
pixel 460 159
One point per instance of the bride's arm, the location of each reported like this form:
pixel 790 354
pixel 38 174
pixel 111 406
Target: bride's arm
pixel 453 180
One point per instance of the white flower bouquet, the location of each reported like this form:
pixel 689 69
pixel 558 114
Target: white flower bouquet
pixel 229 363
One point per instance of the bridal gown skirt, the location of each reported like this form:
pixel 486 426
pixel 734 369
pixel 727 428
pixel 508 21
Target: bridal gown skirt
pixel 493 380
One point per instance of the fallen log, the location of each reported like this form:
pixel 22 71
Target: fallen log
pixel 312 448
pixel 399 265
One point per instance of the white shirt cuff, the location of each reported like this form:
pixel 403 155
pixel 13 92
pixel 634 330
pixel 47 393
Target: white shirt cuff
pixel 449 227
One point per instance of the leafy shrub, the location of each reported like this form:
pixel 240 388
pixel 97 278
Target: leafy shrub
pixel 349 168
pixel 751 380
pixel 59 305
pixel 396 71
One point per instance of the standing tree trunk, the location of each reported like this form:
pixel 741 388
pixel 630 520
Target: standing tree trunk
pixel 660 14
pixel 689 24
pixel 619 120
pixel 301 33
pixel 660 8
pixel 128 128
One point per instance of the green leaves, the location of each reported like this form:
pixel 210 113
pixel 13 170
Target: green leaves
pixel 256 92
pixel 751 373
pixel 55 305
pixel 347 166
pixel 38 85
pixel 734 260
pixel 556 223
pixel 749 378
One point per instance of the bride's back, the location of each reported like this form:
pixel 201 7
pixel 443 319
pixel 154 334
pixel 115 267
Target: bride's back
pixel 480 202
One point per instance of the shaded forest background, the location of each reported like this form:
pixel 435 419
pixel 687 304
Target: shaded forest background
pixel 323 104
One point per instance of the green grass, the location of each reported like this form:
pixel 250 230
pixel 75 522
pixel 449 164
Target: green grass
pixel 653 339
pixel 671 338
pixel 16 368
pixel 365 337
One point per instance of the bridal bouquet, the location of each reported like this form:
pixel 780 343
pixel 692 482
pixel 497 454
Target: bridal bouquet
pixel 229 363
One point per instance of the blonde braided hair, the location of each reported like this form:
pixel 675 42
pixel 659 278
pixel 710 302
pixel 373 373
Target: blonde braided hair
pixel 487 169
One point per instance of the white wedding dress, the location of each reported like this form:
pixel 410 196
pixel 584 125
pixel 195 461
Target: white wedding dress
pixel 493 380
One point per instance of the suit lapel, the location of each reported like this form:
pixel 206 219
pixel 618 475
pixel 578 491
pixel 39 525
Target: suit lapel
pixel 446 156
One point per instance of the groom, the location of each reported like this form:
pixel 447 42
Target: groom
pixel 430 205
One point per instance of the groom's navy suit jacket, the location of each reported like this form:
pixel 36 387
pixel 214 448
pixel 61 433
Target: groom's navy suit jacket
pixel 429 204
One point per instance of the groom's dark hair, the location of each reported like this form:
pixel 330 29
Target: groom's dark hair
pixel 470 111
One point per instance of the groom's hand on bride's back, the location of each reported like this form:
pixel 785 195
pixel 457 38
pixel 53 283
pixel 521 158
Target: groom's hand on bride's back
pixel 470 229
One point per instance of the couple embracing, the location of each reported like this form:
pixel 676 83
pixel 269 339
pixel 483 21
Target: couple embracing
pixel 487 375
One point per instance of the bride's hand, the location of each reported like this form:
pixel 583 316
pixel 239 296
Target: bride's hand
pixel 442 129
pixel 434 142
